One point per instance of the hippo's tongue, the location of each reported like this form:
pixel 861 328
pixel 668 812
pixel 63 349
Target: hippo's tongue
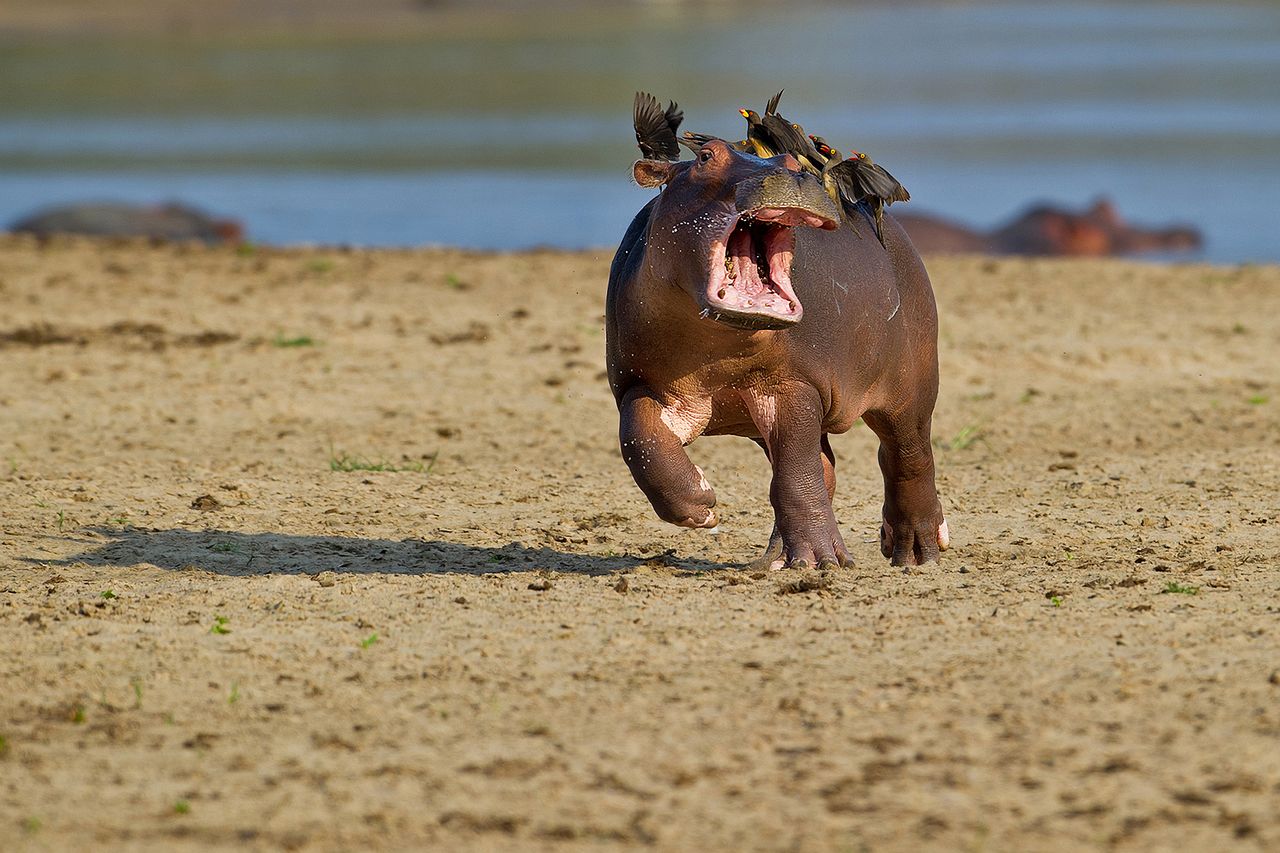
pixel 749 270
pixel 756 278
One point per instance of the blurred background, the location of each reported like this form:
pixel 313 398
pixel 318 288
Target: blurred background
pixel 507 125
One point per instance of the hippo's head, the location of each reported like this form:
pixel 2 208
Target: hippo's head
pixel 1098 232
pixel 722 230
pixel 1134 239
pixel 1048 230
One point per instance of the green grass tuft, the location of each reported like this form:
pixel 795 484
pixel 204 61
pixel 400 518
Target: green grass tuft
pixel 346 462
pixel 369 640
pixel 1175 588
pixel 965 437
pixel 300 341
pixel 220 625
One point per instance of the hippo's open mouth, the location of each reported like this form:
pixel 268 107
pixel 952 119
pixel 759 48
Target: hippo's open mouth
pixel 750 281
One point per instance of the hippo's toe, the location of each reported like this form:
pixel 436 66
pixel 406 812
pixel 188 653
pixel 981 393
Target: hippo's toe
pixel 914 544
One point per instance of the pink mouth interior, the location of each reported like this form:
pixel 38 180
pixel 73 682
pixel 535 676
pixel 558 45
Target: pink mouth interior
pixel 751 265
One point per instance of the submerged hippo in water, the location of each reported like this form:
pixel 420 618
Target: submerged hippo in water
pixel 1047 230
pixel 739 303
pixel 160 222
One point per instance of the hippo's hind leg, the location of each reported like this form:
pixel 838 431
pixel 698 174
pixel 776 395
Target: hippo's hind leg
pixel 913 529
pixel 674 485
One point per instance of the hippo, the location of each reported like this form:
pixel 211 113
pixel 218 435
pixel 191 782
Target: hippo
pixel 163 222
pixel 1048 230
pixel 743 301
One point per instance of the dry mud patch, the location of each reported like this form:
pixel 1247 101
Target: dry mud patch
pixel 474 634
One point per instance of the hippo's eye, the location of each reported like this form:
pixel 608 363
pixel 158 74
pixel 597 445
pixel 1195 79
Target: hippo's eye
pixel 704 155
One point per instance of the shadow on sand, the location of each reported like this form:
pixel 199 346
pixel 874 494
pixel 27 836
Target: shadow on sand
pixel 246 554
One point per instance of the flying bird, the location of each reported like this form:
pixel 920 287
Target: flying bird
pixel 656 128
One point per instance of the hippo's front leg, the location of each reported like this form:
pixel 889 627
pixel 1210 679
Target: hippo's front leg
pixel 674 485
pixel 790 424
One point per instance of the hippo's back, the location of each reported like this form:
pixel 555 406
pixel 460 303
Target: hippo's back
pixel 166 222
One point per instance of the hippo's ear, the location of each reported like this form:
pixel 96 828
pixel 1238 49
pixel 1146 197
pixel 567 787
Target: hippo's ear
pixel 652 173
pixel 1105 212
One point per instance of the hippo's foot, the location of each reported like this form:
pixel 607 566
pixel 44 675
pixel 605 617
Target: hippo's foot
pixel 822 547
pixel 910 543
pixel 693 507
pixel 913 531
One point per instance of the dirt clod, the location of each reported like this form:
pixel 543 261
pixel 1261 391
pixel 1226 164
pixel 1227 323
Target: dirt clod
pixel 808 582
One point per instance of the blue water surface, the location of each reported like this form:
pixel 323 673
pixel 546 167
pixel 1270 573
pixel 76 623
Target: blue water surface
pixel 1171 110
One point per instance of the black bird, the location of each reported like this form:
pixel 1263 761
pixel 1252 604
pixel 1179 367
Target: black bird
pixel 831 180
pixel 656 128
pixel 789 137
pixel 824 149
pixel 758 136
pixel 860 179
pixel 691 139
pixel 694 141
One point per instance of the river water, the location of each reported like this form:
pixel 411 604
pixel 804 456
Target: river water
pixel 519 134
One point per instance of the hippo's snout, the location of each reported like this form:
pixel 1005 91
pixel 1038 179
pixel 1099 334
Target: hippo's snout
pixel 780 189
pixel 749 269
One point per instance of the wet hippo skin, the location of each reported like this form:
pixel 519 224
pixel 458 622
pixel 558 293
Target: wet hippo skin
pixel 742 302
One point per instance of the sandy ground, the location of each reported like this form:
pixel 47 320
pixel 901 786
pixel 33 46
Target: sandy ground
pixel 213 640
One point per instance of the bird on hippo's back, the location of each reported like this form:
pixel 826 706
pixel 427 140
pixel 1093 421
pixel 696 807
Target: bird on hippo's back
pixel 860 179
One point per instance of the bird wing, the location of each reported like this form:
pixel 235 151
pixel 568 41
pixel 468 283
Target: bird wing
pixel 759 139
pixel 772 107
pixel 791 139
pixel 873 180
pixel 674 115
pixel 656 128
